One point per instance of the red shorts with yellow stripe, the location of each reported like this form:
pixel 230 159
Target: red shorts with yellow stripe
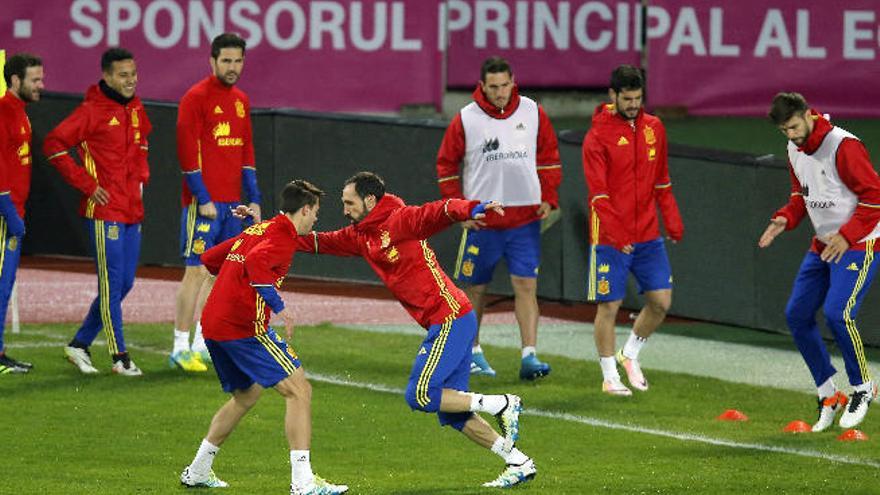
pixel 263 359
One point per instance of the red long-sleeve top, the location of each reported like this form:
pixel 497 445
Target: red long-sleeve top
pixel 15 150
pixel 856 172
pixel 627 173
pixel 392 238
pixel 214 135
pixel 452 152
pixel 111 139
pixel 261 255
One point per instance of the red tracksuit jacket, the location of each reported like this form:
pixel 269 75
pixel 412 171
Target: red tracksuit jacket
pixel 392 239
pixel 15 150
pixel 214 135
pixel 855 170
pixel 260 255
pixel 112 142
pixel 627 175
pixel 452 151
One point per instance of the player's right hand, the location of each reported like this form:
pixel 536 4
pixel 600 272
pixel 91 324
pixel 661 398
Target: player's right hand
pixel 100 196
pixel 776 227
pixel 208 210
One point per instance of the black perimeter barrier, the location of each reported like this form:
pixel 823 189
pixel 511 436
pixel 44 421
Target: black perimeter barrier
pixel 725 198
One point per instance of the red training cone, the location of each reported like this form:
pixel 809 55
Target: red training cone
pixel 732 415
pixel 797 426
pixel 853 436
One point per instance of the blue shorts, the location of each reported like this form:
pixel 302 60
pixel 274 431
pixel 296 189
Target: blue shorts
pixel 263 359
pixel 481 250
pixel 443 361
pixel 198 233
pixel 609 269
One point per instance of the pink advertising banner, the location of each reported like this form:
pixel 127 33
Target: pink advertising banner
pixel 552 43
pixel 731 58
pixel 319 55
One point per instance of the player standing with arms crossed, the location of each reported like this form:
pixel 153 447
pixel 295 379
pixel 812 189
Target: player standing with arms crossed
pixel 216 153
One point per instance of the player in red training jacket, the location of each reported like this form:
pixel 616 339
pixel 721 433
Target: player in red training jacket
pixel 392 238
pixel 502 147
pixel 23 73
pixel 109 129
pixel 246 352
pixel 834 183
pixel 627 173
pixel 216 153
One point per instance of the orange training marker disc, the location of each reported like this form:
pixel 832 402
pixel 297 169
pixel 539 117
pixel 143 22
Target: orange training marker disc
pixel 733 415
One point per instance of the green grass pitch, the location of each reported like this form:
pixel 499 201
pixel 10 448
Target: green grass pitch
pixel 69 433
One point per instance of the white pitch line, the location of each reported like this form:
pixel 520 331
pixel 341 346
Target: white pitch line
pixel 600 423
pixel 685 437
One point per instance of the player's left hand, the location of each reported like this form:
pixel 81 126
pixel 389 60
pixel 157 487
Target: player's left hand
pixel 544 210
pixel 256 213
pixel 835 246
pixel 287 316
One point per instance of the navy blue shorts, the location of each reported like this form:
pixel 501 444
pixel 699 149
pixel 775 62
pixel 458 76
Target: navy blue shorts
pixel 199 234
pixel 609 269
pixel 263 359
pixel 443 361
pixel 481 250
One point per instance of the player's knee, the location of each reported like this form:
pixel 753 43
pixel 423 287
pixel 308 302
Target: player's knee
pixel 659 307
pixel 836 314
pixel 796 317
pixel 295 387
pixel 247 398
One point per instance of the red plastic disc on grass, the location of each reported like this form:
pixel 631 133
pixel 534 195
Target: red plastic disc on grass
pixel 852 436
pixel 797 426
pixel 733 415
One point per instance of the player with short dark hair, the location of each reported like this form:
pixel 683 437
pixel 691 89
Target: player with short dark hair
pixel 23 73
pixel 109 129
pixel 832 181
pixel 392 238
pixel 627 172
pixel 502 147
pixel 247 354
pixel 216 153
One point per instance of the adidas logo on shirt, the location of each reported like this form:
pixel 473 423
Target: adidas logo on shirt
pixel 218 110
pixel 853 267
pixel 623 141
pixel 113 121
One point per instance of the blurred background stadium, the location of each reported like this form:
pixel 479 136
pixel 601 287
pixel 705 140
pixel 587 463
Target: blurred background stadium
pixel 342 86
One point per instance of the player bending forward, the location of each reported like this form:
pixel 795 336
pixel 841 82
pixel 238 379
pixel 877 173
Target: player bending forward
pixel 391 237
